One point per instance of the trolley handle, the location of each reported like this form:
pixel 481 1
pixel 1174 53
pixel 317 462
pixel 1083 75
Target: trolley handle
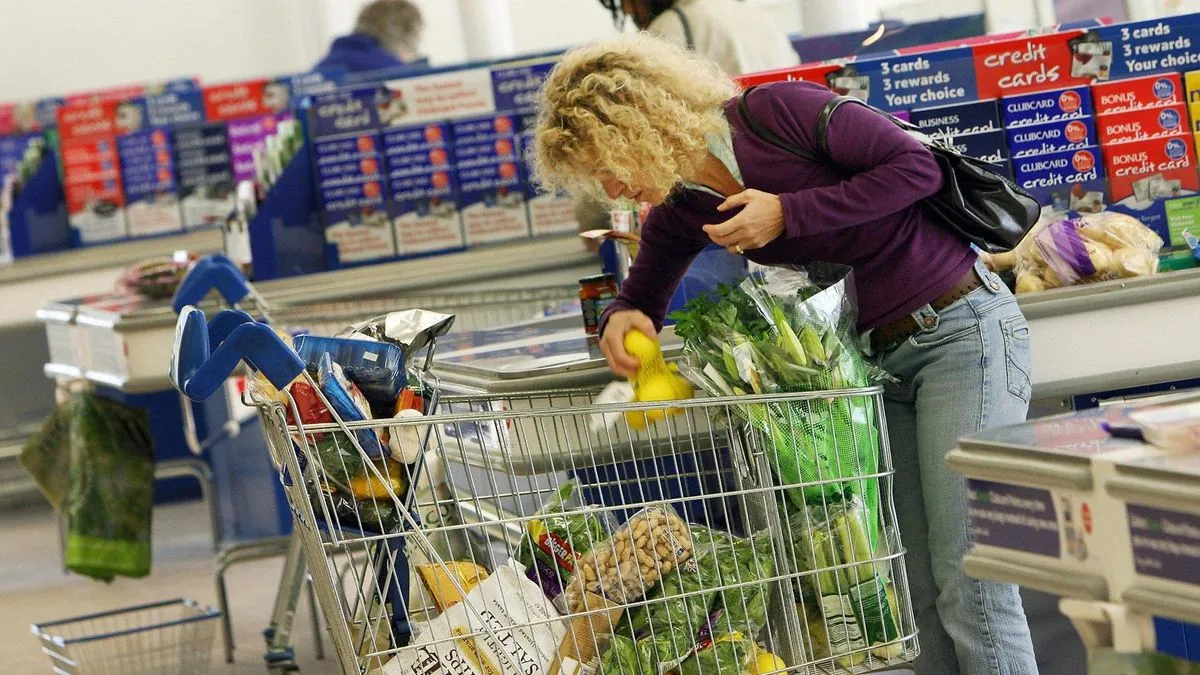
pixel 200 365
pixel 214 272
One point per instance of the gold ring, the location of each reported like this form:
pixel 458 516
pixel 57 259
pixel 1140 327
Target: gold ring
pixel 738 248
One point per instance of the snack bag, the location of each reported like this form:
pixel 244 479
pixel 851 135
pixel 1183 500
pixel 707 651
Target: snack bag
pixel 348 403
pixel 555 541
pixel 528 626
pixel 653 542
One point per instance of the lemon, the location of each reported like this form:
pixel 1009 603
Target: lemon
pixel 660 388
pixel 636 420
pixel 369 486
pixel 642 347
pixel 768 663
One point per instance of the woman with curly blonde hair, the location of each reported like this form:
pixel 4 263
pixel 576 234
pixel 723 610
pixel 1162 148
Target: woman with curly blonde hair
pixel 641 120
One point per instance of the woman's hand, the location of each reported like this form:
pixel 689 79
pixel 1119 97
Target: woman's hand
pixel 612 343
pixel 758 224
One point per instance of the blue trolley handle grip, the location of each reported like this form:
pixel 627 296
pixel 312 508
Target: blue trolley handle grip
pixel 214 272
pixel 200 366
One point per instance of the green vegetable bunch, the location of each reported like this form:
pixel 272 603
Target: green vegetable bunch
pixel 778 332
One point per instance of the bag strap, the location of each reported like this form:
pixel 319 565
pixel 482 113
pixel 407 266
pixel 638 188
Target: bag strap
pixel 820 133
pixel 766 134
pixel 822 130
pixel 687 27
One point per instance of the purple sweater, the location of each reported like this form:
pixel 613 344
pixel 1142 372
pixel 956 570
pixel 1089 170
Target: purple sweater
pixel 871 221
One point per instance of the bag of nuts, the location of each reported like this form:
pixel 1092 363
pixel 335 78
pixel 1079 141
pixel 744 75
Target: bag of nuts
pixel 651 543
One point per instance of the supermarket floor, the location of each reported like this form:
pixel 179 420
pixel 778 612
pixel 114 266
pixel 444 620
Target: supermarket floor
pixel 33 588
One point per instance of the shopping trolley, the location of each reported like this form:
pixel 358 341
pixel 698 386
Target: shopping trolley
pixel 472 309
pixel 622 577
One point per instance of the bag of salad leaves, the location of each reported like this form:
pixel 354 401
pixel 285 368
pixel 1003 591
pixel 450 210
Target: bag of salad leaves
pixel 626 657
pixel 727 654
pixel 680 604
pixel 742 606
pixel 562 531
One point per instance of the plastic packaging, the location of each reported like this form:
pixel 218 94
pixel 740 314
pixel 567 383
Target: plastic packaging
pixel 562 533
pixel 348 402
pixel 653 542
pixel 793 330
pixel 376 368
pixel 1089 248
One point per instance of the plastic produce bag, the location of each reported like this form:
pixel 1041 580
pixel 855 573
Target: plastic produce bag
pixel 1089 248
pixel 653 542
pixel 742 606
pixel 94 460
pixel 850 604
pixel 792 330
pixel 670 624
pixel 732 653
pixel 563 531
pixel 626 657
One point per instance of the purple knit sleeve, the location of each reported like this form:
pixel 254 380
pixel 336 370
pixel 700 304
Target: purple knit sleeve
pixel 664 256
pixel 888 169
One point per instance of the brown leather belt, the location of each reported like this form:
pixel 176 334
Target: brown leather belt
pixel 891 334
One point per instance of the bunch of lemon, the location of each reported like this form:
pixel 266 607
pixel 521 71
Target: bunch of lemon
pixel 655 381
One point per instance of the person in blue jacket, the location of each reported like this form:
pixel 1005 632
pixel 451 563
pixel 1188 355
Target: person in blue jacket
pixel 385 36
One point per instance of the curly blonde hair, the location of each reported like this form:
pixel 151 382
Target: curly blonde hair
pixel 634 107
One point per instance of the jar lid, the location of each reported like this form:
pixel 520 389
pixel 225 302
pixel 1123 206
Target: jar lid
pixel 598 278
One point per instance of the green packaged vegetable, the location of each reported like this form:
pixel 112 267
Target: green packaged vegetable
pixel 339 459
pixel 792 330
pixel 727 654
pixel 563 530
pixel 834 543
pixel 625 657
pixel 743 608
pixel 680 605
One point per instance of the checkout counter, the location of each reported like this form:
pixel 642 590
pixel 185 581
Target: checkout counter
pixel 1109 525
pixel 25 285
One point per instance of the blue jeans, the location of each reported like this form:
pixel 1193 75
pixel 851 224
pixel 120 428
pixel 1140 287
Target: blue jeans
pixel 968 371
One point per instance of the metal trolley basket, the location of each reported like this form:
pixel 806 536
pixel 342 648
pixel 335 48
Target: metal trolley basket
pixel 430 584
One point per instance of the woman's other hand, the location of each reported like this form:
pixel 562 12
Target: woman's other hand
pixel 759 223
pixel 612 343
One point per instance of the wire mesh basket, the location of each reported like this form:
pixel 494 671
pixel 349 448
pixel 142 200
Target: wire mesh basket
pixel 173 637
pixel 544 533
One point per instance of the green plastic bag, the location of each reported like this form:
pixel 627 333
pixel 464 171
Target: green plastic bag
pixel 94 461
pixel 743 608
pixel 626 657
pixel 680 604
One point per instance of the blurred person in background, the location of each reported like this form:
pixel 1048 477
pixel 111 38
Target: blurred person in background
pixel 386 35
pixel 739 38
